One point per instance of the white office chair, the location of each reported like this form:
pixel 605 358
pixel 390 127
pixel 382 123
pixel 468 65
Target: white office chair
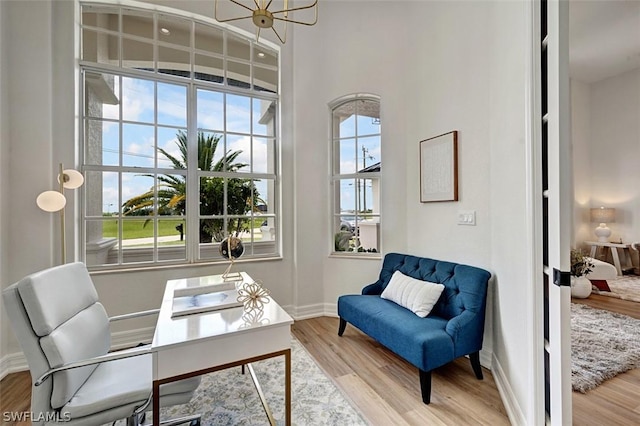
pixel 64 333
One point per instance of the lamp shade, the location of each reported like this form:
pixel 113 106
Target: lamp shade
pixel 72 179
pixel 51 201
pixel 603 215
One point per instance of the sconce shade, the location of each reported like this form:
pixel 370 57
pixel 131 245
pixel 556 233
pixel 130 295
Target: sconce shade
pixel 51 201
pixel 603 215
pixel 72 179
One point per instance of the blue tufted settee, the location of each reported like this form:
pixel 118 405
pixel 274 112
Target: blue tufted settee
pixel 454 328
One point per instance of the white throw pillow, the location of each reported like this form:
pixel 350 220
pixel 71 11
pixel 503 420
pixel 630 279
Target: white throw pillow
pixel 416 295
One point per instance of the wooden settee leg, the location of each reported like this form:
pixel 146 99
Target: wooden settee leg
pixel 343 325
pixel 475 364
pixel 425 386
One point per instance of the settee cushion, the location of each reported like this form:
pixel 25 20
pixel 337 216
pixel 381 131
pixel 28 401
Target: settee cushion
pixel 421 341
pixel 416 295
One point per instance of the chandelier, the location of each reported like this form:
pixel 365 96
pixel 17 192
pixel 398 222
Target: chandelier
pixel 263 18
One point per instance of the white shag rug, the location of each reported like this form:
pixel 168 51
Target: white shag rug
pixel 603 345
pixel 627 288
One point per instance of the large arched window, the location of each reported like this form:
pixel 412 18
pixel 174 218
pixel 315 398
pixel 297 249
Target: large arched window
pixel 179 139
pixel 355 180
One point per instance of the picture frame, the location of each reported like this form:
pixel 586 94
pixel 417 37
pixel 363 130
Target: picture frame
pixel 439 168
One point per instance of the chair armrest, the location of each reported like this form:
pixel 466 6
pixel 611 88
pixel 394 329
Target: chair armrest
pixel 373 289
pixel 133 315
pixel 112 356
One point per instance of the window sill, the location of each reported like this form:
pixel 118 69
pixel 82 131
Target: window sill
pixel 159 267
pixel 362 256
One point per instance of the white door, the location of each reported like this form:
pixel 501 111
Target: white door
pixel 556 200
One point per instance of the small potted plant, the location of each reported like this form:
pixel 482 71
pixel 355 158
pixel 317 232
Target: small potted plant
pixel 581 266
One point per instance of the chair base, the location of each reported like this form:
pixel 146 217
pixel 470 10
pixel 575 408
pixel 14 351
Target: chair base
pixel 188 420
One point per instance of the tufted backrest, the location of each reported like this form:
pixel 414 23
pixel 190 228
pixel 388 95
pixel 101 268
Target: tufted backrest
pixel 57 319
pixel 465 287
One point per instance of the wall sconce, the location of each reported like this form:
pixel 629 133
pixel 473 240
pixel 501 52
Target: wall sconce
pixel 603 215
pixel 53 201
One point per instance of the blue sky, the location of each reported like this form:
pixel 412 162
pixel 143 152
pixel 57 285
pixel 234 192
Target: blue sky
pixel 139 149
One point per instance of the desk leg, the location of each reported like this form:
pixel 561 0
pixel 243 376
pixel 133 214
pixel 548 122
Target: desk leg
pixel 287 390
pixel 287 386
pixel 156 403
pixel 616 260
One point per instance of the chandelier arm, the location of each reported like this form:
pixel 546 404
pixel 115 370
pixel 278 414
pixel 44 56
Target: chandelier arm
pixel 309 6
pixel 233 19
pixel 309 24
pixel 278 35
pixel 240 4
pixel 258 34
pixel 267 6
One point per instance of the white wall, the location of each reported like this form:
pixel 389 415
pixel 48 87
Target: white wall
pixel 446 66
pixel 581 156
pixel 510 241
pixel 437 66
pixel 615 151
pixel 42 132
pixel 4 180
pixel 606 153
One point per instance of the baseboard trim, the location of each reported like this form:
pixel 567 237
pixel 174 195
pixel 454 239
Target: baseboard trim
pixel 12 363
pixel 514 412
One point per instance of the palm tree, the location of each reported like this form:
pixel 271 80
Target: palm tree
pixel 172 189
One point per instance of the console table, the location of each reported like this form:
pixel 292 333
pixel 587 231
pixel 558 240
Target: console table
pixel 613 247
pixel 191 345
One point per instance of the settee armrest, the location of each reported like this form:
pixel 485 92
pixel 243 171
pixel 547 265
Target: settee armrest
pixel 466 331
pixel 373 289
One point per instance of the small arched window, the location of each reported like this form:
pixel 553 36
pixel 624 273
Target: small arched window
pixel 355 174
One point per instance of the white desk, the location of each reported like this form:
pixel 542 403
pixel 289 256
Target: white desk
pixel 192 345
pixel 614 253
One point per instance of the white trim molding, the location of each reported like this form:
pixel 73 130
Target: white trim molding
pixel 509 400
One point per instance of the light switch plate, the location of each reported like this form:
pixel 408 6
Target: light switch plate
pixel 467 217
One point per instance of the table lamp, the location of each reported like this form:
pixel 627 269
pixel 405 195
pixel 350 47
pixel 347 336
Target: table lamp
pixel 603 215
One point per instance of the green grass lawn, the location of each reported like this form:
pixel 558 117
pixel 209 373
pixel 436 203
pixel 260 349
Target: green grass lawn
pixel 135 229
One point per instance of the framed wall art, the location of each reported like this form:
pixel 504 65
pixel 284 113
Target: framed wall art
pixel 439 168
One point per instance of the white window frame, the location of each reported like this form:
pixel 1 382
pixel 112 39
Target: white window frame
pixel 195 252
pixel 338 217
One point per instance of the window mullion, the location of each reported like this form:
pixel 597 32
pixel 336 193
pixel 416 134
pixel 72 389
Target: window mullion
pixel 193 179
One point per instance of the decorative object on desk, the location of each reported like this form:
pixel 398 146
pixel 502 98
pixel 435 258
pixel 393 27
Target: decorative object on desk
pixel 204 302
pixel 603 345
pixel 53 201
pixel 253 296
pixel 253 318
pixel 231 248
pixel 581 266
pixel 228 397
pixel 439 168
pixel 602 216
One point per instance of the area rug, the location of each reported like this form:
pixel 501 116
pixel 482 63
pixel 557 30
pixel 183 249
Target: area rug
pixel 603 345
pixel 627 288
pixel 229 397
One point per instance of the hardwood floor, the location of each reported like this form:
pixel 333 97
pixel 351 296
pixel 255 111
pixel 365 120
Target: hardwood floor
pixel 386 389
pixel 617 400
